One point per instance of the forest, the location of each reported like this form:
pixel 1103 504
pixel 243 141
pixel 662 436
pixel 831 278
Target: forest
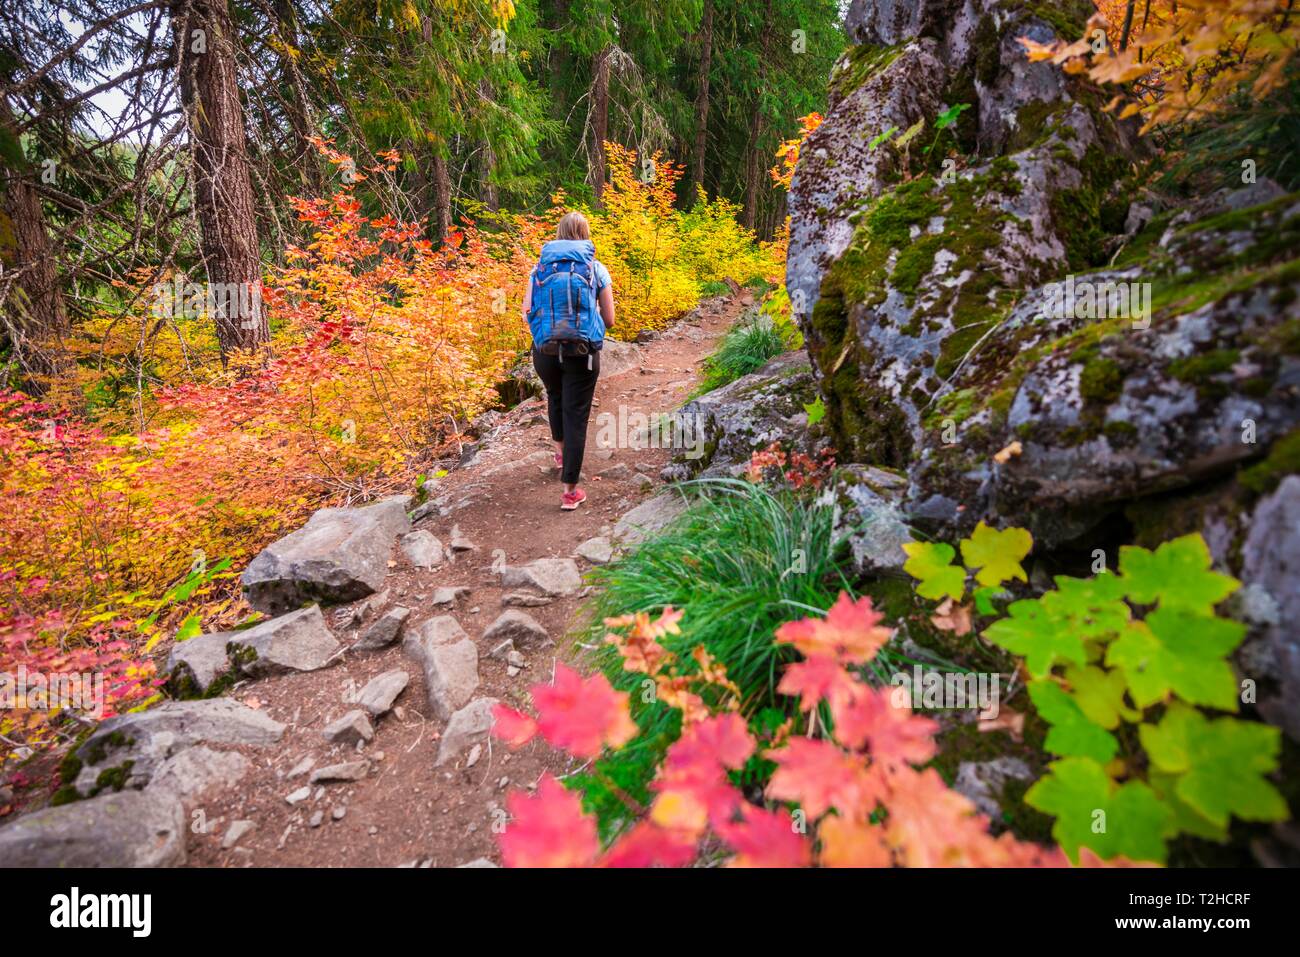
pixel 982 318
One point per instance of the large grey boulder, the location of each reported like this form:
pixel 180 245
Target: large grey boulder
pixel 198 772
pixel 127 750
pixel 1105 411
pixel 1271 561
pixel 127 829
pixel 449 659
pixel 554 577
pixel 298 641
pixel 340 555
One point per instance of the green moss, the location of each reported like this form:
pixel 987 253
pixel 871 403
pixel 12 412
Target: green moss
pixel 1121 434
pixel 861 64
pixel 1080 213
pixel 957 406
pixel 914 264
pixel 1101 381
pixel 1283 459
pixel 114 778
pixel 1201 370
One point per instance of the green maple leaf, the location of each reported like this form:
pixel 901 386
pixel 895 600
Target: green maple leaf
pixel 931 562
pixel 1100 695
pixel 1186 819
pixel 1220 764
pixel 1179 652
pixel 816 411
pixel 1033 633
pixel 1072 733
pixel 1094 608
pixel 1177 575
pixel 996 553
pixel 1092 811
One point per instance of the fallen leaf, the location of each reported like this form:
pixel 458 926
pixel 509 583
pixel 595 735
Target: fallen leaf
pixel 1013 722
pixel 953 617
pixel 1007 454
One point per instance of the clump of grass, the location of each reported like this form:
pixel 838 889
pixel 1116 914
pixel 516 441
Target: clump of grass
pixel 748 346
pixel 741 561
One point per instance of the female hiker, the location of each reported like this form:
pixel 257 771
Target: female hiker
pixel 568 306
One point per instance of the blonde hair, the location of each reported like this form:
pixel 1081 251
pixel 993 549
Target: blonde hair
pixel 573 226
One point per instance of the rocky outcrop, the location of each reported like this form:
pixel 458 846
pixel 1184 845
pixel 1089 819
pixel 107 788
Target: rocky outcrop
pixel 127 751
pixel 740 418
pixel 130 829
pixel 298 641
pixel 340 555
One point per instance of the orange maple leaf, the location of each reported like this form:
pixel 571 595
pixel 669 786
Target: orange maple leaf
pixel 818 776
pixel 819 678
pixel 848 843
pixel 851 632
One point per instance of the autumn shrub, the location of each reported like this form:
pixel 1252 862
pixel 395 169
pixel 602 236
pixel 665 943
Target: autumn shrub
pixel 136 491
pixel 848 786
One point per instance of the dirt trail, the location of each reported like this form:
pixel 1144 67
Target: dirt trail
pixel 506 502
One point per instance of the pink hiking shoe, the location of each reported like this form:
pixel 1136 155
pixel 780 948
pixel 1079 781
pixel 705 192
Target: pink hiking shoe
pixel 571 500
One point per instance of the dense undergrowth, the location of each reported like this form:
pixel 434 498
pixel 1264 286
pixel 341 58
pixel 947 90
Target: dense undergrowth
pixel 135 485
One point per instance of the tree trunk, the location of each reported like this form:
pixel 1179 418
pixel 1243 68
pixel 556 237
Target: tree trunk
pixel 490 197
pixel 35 317
pixel 599 121
pixel 441 197
pixel 702 101
pixel 223 193
pixel 753 161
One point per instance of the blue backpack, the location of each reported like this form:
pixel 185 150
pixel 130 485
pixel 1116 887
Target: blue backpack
pixel 564 313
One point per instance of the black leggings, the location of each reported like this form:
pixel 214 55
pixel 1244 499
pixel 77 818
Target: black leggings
pixel 570 387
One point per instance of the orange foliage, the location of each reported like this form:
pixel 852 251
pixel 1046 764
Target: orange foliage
pixel 858 797
pixel 1184 58
pixel 383 348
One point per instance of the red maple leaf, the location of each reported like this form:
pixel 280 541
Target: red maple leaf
pixel 580 715
pixel 819 678
pixel 763 838
pixel 818 776
pixel 850 633
pixel 548 829
pixel 888 728
pixel 647 845
pixel 513 727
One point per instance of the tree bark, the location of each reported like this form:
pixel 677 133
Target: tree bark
pixel 490 196
pixel 599 121
pixel 441 197
pixel 702 101
pixel 35 315
pixel 223 193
